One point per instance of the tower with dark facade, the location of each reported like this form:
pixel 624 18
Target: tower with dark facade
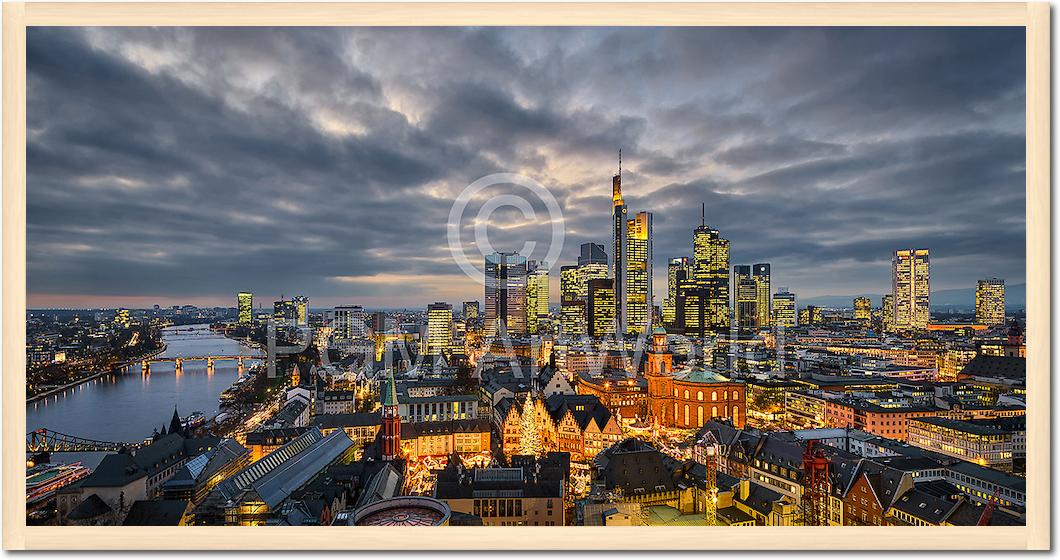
pixel 391 421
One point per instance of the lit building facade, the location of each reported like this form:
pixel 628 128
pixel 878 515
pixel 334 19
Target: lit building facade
pixel 536 295
pixel 761 275
pixel 471 310
pixel 505 294
pixel 887 313
pixel 572 306
pixel 639 256
pixel 689 399
pixel 990 301
pixel 676 271
pixel 703 299
pixel 348 322
pixel 618 245
pixel 784 314
pixel 301 311
pixel 285 313
pixel 863 309
pixel 439 328
pixel 911 288
pixel 745 296
pixel 978 442
pixel 600 308
pixel 245 305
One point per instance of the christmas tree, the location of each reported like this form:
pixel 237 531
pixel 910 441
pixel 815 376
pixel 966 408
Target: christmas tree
pixel 530 438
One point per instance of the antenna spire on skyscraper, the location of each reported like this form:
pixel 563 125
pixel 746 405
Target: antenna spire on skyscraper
pixel 620 162
pixel 703 215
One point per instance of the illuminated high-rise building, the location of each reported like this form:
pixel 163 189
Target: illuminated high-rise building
pixel 572 305
pixel 471 310
pixel 703 301
pixel 784 315
pixel 439 328
pixel 600 307
pixel 121 318
pixel 638 297
pixel 285 313
pixel 862 309
pixel 811 315
pixel 536 295
pixel 505 294
pixel 990 301
pixel 348 322
pixel 745 296
pixel 592 264
pixel 245 305
pixel 301 306
pixel 676 271
pixel 887 313
pixel 620 225
pixel 761 276
pixel 911 288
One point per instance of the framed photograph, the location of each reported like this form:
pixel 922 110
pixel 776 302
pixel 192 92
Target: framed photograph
pixel 526 276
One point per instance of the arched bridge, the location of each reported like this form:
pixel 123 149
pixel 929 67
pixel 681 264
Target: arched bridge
pixel 145 365
pixel 48 441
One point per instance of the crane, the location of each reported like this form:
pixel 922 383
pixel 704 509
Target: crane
pixel 988 511
pixel 711 450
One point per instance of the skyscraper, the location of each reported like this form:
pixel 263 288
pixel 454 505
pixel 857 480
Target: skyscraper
pixel 600 308
pixel 990 301
pixel 862 309
pixel 676 271
pixel 704 300
pixel 618 245
pixel 761 276
pixel 301 306
pixel 349 322
pixel 505 294
pixel 536 294
pixel 439 328
pixel 911 288
pixel 284 313
pixel 745 296
pixel 245 304
pixel 572 305
pixel 811 315
pixel 638 297
pixel 887 313
pixel 471 310
pixel 592 264
pixel 592 253
pixel 784 315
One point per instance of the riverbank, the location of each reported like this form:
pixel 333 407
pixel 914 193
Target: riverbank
pixel 94 376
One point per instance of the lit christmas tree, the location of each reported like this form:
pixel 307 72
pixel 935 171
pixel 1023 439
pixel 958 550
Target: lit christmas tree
pixel 530 438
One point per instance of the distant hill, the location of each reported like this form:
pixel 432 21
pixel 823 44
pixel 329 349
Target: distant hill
pixel 1015 297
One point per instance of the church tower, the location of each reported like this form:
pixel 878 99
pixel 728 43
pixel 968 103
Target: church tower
pixel 391 421
pixel 658 372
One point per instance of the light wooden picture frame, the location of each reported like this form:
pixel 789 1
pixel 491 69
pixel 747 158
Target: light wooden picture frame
pixel 1034 17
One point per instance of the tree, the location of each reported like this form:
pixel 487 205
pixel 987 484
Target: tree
pixel 530 436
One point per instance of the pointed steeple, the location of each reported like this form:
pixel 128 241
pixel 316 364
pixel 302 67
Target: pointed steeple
pixel 390 391
pixel 175 426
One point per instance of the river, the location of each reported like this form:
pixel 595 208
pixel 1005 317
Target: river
pixel 130 406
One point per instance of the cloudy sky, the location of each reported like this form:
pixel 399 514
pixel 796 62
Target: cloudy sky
pixel 181 165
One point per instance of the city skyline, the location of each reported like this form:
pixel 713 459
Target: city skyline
pixel 264 173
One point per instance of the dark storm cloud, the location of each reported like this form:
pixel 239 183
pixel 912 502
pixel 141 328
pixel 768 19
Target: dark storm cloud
pixel 186 164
